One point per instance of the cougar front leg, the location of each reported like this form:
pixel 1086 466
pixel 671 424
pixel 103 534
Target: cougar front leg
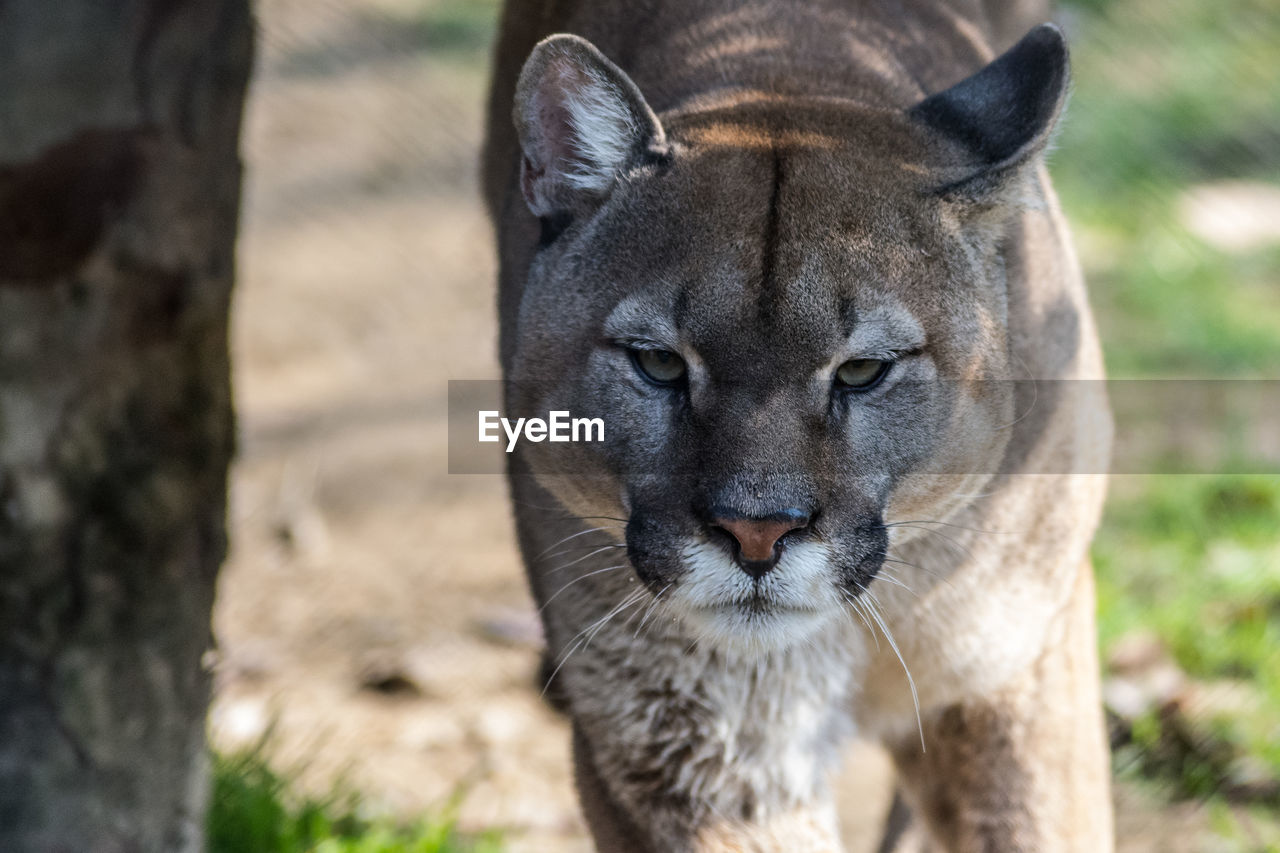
pixel 656 822
pixel 628 814
pixel 1026 769
pixel 681 750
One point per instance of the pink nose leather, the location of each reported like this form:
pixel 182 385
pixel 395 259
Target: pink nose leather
pixel 756 539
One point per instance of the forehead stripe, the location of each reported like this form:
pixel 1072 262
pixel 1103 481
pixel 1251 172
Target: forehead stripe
pixel 769 246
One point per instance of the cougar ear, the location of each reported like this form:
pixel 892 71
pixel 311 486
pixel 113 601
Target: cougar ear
pixel 1002 117
pixel 581 122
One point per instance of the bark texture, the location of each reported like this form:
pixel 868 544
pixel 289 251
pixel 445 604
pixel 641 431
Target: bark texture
pixel 119 194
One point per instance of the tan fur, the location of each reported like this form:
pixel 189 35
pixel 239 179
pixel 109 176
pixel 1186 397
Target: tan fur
pixel 1020 769
pixel 754 185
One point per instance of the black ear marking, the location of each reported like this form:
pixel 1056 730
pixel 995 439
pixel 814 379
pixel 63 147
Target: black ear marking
pixel 1004 115
pixel 552 226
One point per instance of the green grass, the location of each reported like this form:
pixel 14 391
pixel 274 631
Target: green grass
pixel 1168 94
pixel 255 810
pixel 1194 559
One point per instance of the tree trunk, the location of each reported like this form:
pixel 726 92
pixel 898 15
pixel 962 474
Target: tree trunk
pixel 119 194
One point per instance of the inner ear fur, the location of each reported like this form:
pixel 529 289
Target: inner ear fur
pixel 1000 119
pixel 581 122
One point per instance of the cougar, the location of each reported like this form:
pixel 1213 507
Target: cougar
pixel 804 260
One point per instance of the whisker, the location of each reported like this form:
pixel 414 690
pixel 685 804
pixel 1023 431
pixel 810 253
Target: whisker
pixel 574 536
pixel 580 639
pixel 939 533
pixel 580 559
pixel 871 598
pixel 908 521
pixel 631 600
pixel 649 611
pixel 556 671
pixel 579 578
pixel 910 682
pixel 900 561
pixel 848 617
pixel 853 602
pixel 631 617
pixel 885 575
pixel 573 549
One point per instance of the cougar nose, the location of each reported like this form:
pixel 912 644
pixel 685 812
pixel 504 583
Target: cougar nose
pixel 757 538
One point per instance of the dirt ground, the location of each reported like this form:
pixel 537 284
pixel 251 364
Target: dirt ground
pixel 373 613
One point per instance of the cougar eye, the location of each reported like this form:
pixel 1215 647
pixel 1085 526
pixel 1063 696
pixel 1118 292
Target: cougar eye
pixel 659 366
pixel 861 374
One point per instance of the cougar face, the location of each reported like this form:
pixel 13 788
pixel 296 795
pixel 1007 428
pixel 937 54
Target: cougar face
pixel 786 316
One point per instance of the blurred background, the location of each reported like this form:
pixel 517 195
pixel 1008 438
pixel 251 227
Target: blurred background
pixel 376 656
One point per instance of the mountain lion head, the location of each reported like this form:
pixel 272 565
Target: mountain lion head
pixel 786 311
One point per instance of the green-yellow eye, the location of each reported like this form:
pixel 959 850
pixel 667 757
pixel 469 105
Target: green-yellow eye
pixel 861 374
pixel 659 366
